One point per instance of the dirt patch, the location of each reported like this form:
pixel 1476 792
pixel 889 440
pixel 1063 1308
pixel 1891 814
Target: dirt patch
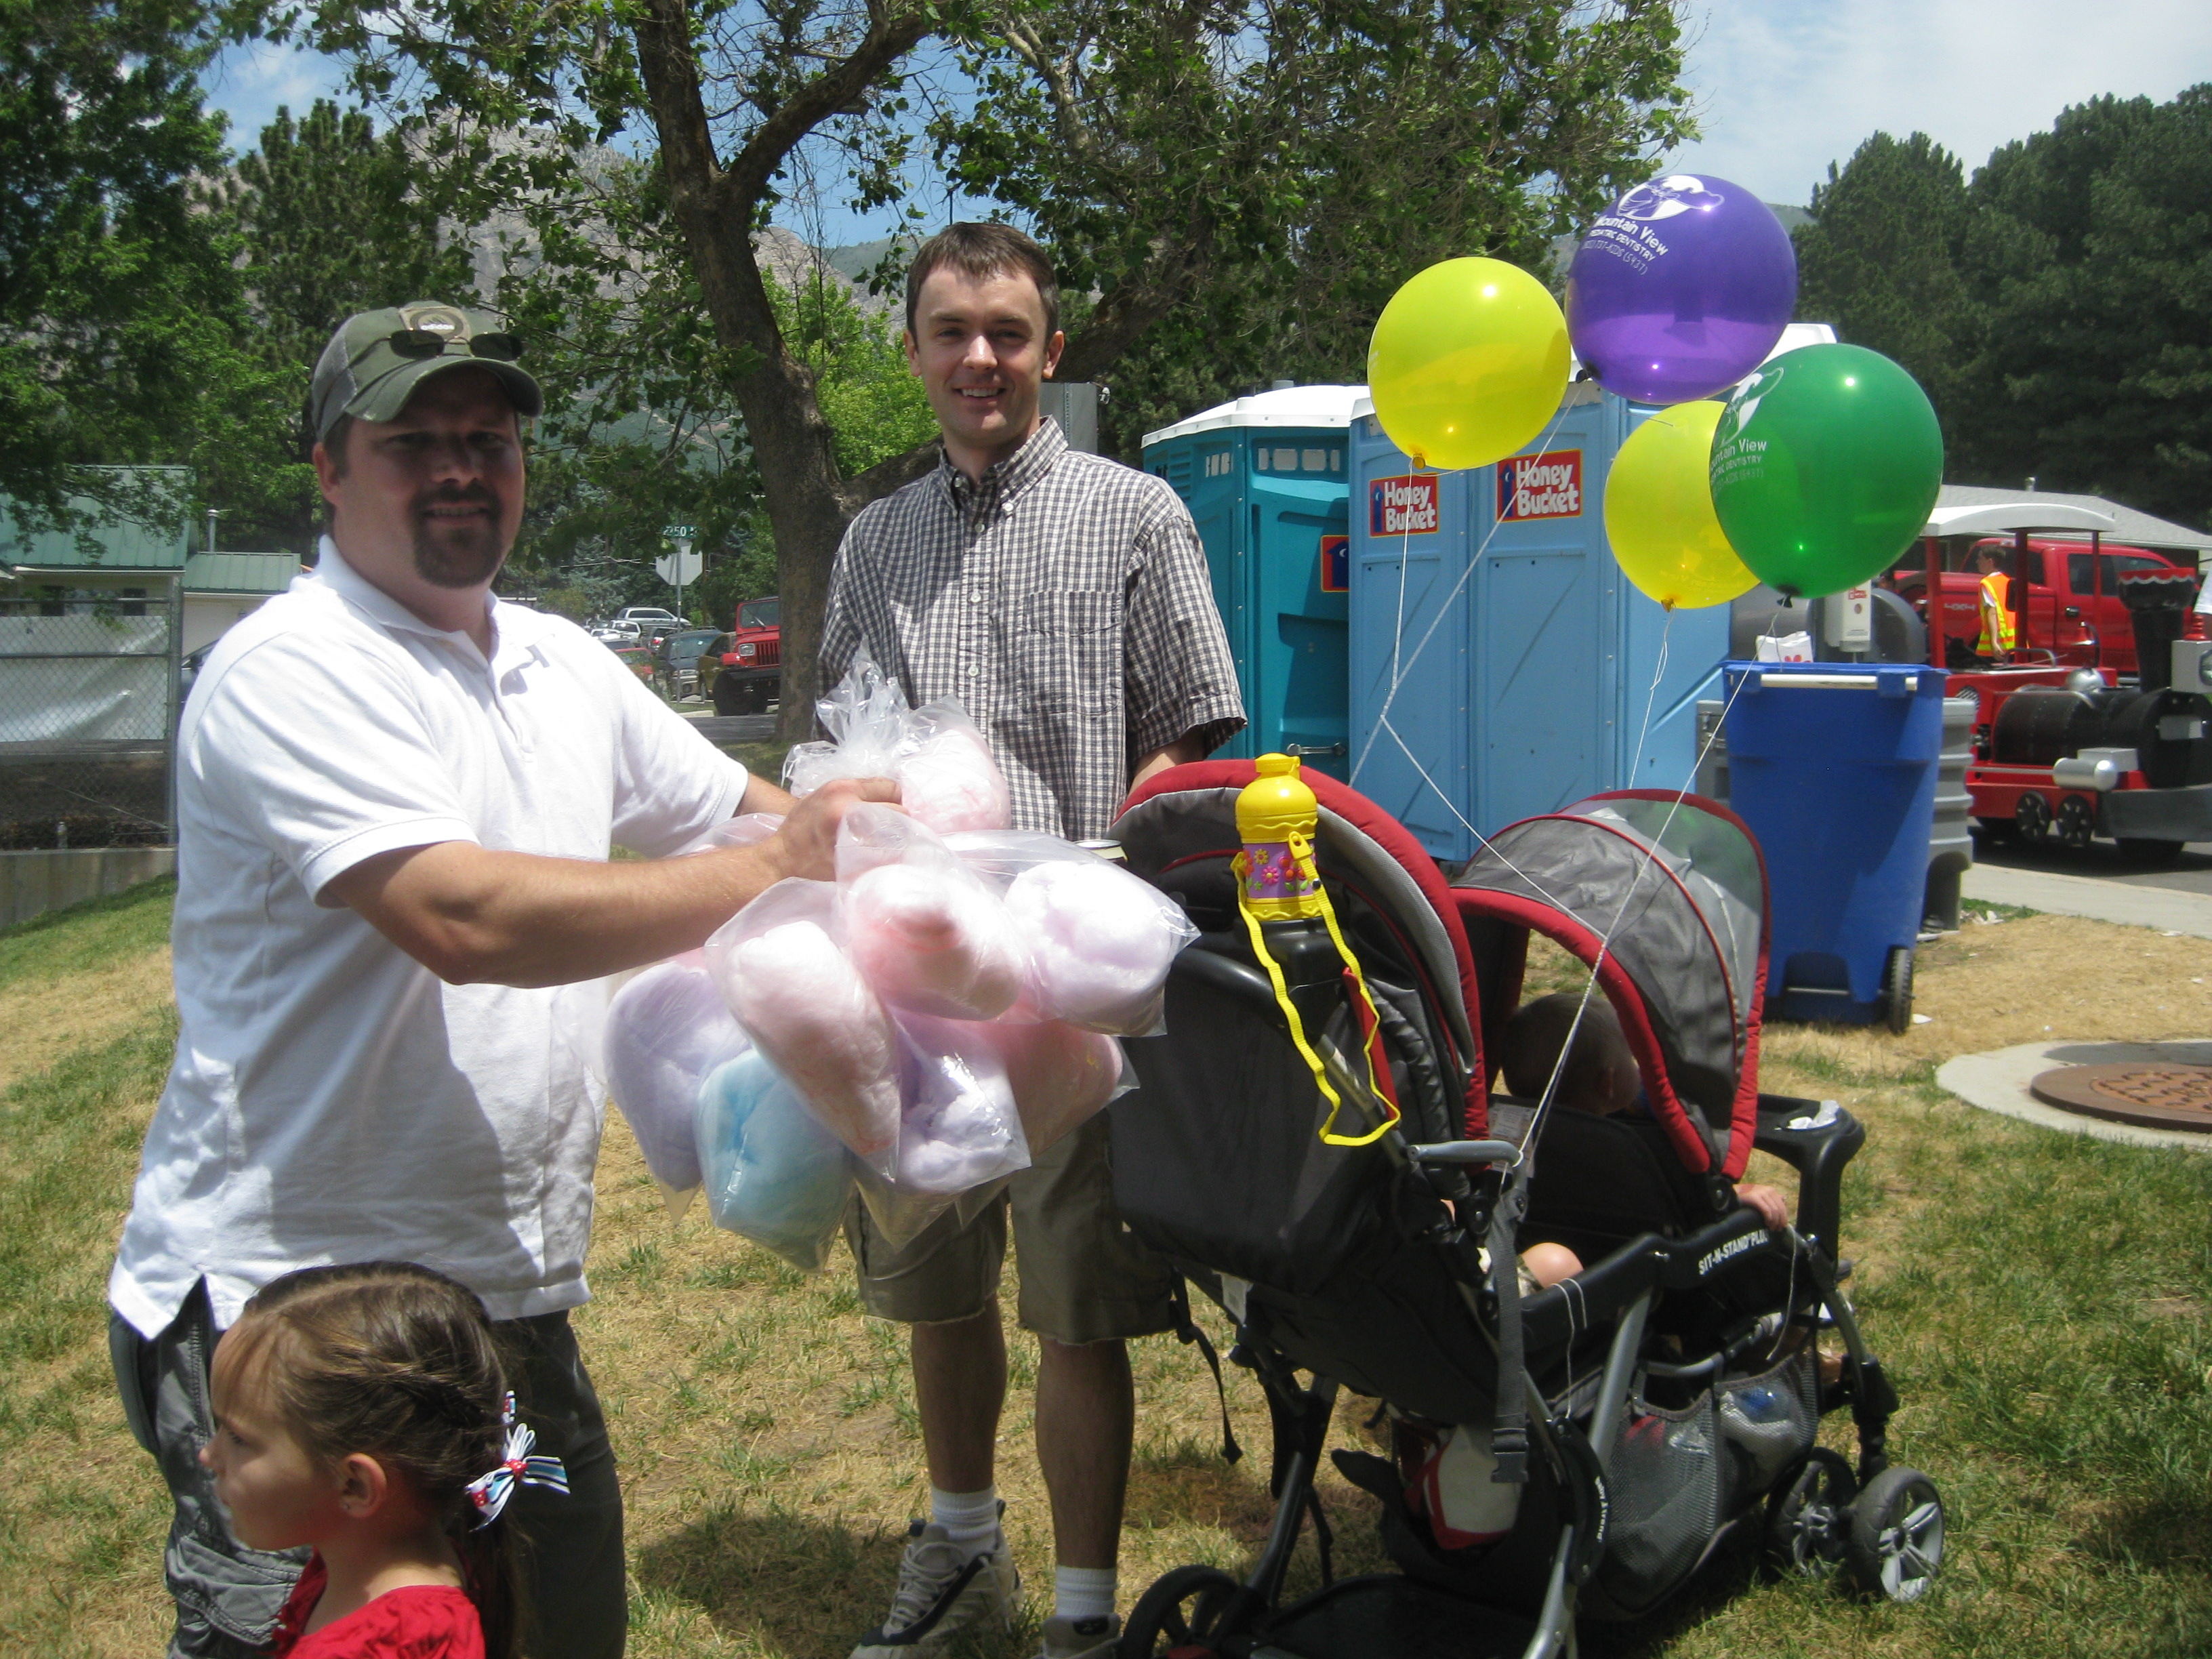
pixel 46 1019
pixel 1991 986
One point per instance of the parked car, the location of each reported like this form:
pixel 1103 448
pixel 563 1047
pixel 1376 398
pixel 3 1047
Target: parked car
pixel 2074 610
pixel 638 659
pixel 648 613
pixel 679 656
pixel 618 632
pixel 751 675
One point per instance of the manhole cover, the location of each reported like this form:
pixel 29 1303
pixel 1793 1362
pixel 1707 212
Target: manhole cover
pixel 2157 1097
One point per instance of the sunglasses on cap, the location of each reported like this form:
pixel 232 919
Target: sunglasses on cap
pixel 428 342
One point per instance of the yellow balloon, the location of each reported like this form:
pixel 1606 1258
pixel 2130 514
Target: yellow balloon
pixel 1659 511
pixel 1469 362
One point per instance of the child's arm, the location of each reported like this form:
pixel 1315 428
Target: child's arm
pixel 1774 1208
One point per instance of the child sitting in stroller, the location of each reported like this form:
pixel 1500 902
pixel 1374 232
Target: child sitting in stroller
pixel 1600 1077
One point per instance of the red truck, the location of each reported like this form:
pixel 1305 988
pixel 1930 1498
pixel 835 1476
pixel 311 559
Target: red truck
pixel 751 675
pixel 2074 610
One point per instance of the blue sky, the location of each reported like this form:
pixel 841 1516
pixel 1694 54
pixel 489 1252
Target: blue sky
pixel 1785 87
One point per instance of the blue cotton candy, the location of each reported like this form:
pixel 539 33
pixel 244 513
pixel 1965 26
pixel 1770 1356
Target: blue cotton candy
pixel 773 1173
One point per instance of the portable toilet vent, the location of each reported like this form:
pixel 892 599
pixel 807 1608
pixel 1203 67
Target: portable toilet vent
pixel 1265 477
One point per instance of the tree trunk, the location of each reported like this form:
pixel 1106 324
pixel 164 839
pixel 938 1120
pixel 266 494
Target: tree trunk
pixel 809 503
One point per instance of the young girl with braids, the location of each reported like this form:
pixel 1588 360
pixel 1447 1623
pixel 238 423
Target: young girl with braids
pixel 362 1410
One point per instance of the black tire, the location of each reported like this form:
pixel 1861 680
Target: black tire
pixel 1896 1544
pixel 2077 822
pixel 1809 1516
pixel 729 698
pixel 1897 989
pixel 2032 818
pixel 1188 1607
pixel 2150 854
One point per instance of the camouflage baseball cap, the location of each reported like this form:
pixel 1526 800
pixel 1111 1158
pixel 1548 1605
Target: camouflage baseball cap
pixel 377 358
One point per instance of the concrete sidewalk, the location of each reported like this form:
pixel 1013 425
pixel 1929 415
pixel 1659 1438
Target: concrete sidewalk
pixel 2169 909
pixel 1999 1082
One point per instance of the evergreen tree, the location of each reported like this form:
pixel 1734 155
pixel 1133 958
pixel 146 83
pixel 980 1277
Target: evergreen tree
pixel 2093 258
pixel 1883 260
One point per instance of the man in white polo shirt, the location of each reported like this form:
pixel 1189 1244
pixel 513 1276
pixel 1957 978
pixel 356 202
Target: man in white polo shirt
pixel 396 797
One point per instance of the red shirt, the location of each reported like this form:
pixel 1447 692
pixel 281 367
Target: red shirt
pixel 417 1621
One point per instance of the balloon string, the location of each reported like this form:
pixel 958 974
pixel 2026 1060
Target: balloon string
pixel 1398 673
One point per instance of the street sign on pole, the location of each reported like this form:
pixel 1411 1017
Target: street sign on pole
pixel 681 568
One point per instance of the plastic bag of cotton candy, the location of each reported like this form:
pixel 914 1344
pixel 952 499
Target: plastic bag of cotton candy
pixel 666 1029
pixel 946 777
pixel 781 966
pixel 928 933
pixel 1100 940
pixel 960 1132
pixel 773 1173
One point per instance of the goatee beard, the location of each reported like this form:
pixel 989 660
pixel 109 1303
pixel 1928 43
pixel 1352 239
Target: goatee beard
pixel 457 553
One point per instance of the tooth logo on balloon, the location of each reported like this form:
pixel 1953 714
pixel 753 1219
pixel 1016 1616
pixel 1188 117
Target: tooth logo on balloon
pixel 1662 198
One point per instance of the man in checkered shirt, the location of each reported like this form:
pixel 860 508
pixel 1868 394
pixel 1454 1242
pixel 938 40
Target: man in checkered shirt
pixel 1063 599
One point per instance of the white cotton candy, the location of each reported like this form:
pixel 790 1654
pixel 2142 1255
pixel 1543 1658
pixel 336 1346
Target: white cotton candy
pixel 666 1031
pixel 934 941
pixel 950 782
pixel 1100 942
pixel 961 1127
pixel 1059 1075
pixel 823 1028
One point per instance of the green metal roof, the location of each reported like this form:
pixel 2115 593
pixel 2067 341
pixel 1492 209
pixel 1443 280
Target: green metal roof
pixel 115 542
pixel 239 572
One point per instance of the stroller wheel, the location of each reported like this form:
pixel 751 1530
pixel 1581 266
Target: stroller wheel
pixel 1181 1615
pixel 1808 1518
pixel 1896 1535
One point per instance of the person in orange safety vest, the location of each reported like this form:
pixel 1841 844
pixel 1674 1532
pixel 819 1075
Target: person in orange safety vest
pixel 1997 604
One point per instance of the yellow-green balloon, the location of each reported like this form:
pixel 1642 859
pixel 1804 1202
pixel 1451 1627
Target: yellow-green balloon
pixel 1659 511
pixel 1467 363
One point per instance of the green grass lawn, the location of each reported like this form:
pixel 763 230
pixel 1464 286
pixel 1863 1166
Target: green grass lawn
pixel 2041 1300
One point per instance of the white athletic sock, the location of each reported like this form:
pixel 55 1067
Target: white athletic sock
pixel 970 1519
pixel 1083 1592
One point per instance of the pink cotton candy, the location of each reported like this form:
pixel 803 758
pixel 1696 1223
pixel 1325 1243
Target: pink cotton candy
pixel 1059 1075
pixel 950 782
pixel 934 941
pixel 1099 940
pixel 812 1015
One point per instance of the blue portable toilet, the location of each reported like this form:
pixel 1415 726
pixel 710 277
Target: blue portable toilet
pixel 1483 695
pixel 1265 479
pixel 1519 685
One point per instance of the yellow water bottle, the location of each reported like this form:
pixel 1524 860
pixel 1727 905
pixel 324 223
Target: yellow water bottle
pixel 1296 939
pixel 1276 817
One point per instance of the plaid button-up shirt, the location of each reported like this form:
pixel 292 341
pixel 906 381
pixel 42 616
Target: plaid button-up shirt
pixel 1064 600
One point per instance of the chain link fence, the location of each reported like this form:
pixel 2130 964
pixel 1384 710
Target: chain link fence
pixel 88 677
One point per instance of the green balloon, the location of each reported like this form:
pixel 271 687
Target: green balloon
pixel 1825 465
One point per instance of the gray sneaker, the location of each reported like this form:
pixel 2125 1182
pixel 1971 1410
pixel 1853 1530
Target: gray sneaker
pixel 939 1595
pixel 1082 1638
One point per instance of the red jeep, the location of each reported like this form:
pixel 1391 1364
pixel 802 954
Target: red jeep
pixel 2075 611
pixel 751 676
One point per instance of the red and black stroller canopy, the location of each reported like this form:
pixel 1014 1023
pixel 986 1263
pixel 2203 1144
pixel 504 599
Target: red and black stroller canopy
pixel 1665 896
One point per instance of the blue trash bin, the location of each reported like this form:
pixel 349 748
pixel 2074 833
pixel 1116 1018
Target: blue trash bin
pixel 1833 765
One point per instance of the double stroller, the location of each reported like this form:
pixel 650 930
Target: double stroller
pixel 1626 1420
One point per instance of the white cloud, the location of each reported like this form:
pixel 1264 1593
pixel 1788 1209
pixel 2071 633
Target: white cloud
pixel 1785 86
pixel 249 82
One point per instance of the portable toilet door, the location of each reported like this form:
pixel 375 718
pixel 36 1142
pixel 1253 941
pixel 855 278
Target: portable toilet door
pixel 1264 477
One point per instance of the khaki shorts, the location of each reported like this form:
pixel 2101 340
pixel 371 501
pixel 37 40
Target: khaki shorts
pixel 1083 1276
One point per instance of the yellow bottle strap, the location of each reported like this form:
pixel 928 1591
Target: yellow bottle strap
pixel 1302 850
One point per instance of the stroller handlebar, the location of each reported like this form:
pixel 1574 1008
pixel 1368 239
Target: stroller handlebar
pixel 1464 1151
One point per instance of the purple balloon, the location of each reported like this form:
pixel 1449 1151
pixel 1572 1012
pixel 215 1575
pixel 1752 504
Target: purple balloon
pixel 1681 287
